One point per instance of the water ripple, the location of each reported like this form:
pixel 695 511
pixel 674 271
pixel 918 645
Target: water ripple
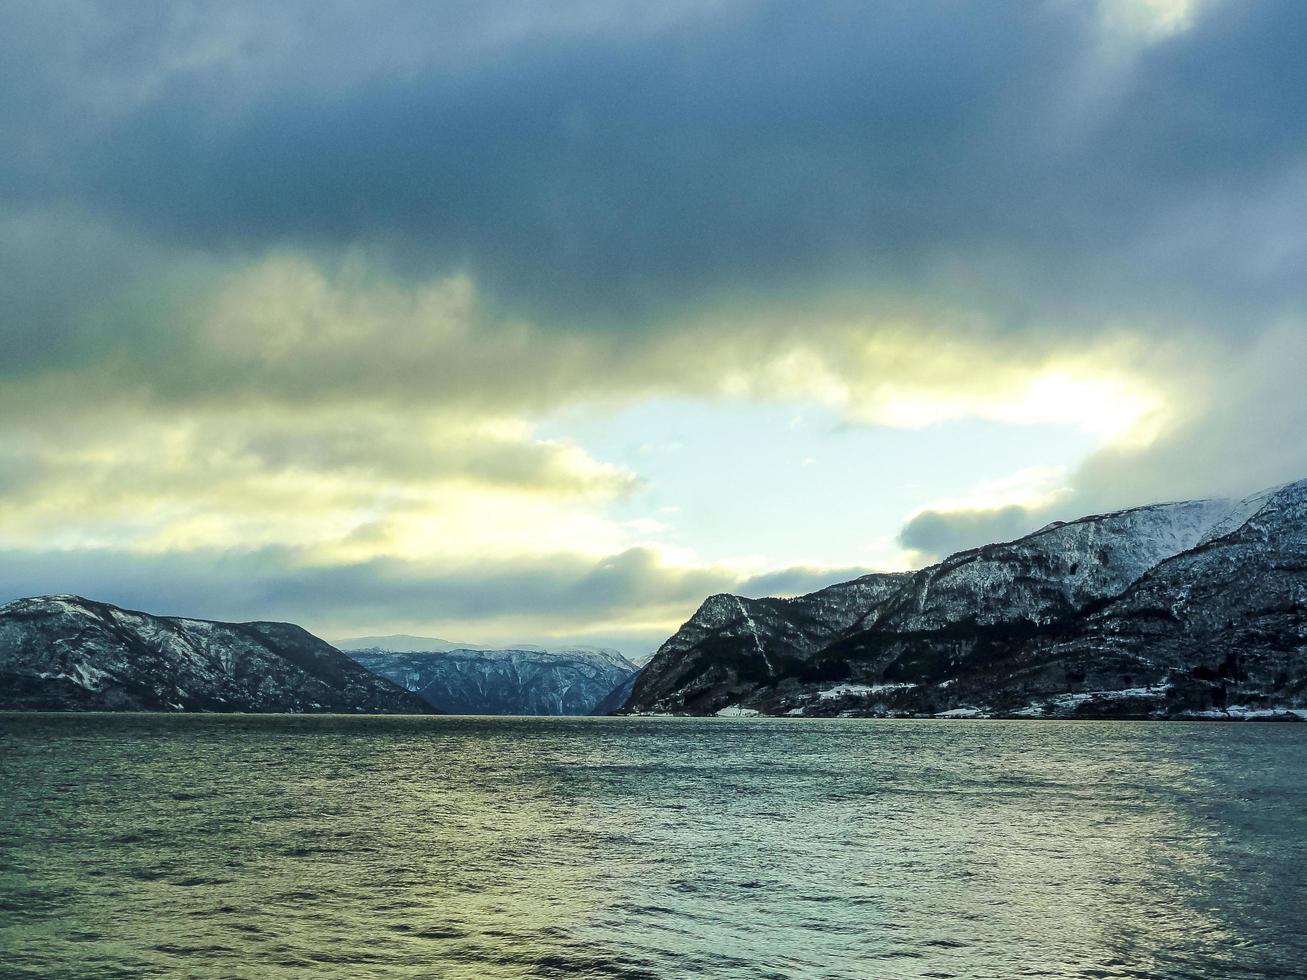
pixel 279 846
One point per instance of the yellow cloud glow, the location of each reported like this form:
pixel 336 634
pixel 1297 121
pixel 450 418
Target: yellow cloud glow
pixel 340 485
pixel 1110 407
pixel 1152 20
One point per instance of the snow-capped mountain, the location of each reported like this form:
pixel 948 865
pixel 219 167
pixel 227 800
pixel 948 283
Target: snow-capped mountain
pixel 66 652
pixel 403 643
pixel 1225 621
pixel 534 681
pixel 1163 610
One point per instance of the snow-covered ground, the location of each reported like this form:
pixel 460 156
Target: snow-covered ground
pixel 1243 713
pixel 1069 702
pixel 846 690
pixel 735 711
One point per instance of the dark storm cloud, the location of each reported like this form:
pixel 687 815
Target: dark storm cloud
pixel 52 271
pixel 1014 154
pixel 938 533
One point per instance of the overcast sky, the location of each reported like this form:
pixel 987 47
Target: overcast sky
pixel 541 322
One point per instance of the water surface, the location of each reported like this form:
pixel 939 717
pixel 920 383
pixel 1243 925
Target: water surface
pixel 343 847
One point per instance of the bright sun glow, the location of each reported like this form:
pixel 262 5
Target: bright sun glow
pixel 1107 407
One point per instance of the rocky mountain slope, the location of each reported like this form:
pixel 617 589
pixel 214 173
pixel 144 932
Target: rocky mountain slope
pixel 66 652
pixel 1192 608
pixel 571 681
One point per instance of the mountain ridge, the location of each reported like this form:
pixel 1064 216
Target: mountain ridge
pixel 66 652
pixel 986 630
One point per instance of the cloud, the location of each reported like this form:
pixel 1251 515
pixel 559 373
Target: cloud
pixel 634 592
pixel 1244 432
pixel 256 200
pixel 298 283
pixel 1241 433
pixel 608 172
pixel 914 212
pixel 935 534
pixel 288 331
pixel 798 580
pixel 422 482
pixel 305 344
pixel 991 511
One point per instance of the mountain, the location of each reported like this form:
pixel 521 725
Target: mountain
pixel 612 702
pixel 570 681
pixel 65 652
pixel 732 640
pixel 1194 608
pixel 403 643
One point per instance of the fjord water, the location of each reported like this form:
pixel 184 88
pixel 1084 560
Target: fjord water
pixel 269 846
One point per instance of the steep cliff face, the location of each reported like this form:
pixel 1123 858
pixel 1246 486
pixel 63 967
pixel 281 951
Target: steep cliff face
pixel 571 681
pixel 1223 624
pixel 1166 609
pixel 732 641
pixel 66 652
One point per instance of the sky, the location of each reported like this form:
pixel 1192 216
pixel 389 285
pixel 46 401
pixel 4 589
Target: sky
pixel 520 322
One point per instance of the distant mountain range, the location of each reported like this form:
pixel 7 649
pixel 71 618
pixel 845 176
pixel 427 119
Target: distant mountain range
pixel 1191 609
pixel 527 681
pixel 404 643
pixel 1195 609
pixel 65 652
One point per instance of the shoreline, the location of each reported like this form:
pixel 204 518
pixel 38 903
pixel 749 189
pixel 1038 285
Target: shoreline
pixel 1293 716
